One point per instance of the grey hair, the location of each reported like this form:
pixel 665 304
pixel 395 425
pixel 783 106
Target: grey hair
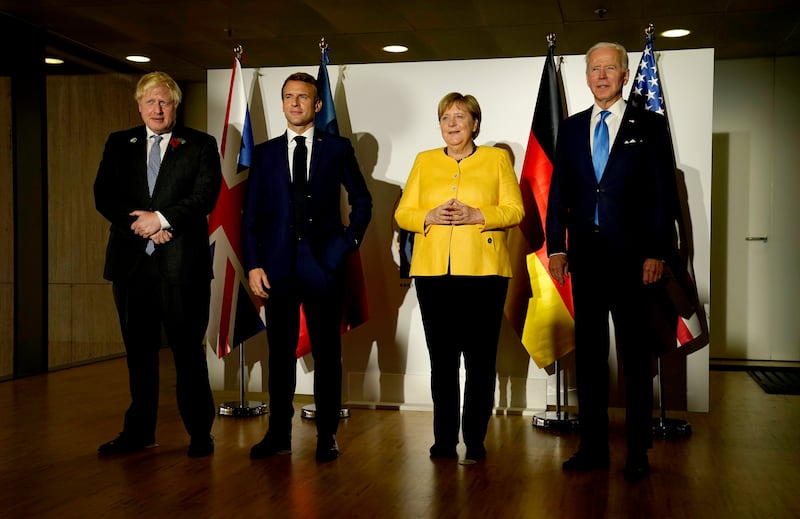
pixel 608 45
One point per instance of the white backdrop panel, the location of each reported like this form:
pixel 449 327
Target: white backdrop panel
pixel 389 111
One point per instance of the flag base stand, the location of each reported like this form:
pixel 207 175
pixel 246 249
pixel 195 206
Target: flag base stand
pixel 668 427
pixel 243 407
pixel 309 412
pixel 555 420
pixel 671 428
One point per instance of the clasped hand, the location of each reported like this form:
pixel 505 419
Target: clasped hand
pixel 454 212
pixel 148 225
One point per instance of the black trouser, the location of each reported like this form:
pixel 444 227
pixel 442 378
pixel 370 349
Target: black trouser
pixel 601 286
pixel 322 294
pixel 462 315
pixel 144 303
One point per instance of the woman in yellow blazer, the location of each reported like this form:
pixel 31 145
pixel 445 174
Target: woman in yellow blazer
pixel 459 201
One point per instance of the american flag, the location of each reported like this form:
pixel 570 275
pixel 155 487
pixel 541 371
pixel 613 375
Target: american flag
pixel 646 93
pixel 646 90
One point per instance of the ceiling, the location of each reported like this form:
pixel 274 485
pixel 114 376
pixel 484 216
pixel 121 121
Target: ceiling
pixel 186 37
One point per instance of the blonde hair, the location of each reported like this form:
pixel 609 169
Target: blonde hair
pixel 469 103
pixel 155 79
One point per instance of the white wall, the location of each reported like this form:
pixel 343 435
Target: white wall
pixel 389 111
pixel 756 190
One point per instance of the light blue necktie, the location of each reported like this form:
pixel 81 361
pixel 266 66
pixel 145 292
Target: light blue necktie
pixel 600 149
pixel 154 162
pixel 600 152
pixel 153 165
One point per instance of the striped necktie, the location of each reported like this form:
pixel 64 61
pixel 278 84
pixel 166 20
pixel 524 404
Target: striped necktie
pixel 153 165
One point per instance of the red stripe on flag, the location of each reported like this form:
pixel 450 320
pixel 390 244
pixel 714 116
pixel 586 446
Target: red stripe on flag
pixel 227 303
pixel 303 341
pixel 684 335
pixel 228 108
pixel 537 174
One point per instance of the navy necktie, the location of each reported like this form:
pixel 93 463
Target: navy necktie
pixel 600 148
pixel 153 165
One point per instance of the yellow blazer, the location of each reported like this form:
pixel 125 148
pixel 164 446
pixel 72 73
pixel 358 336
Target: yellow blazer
pixel 485 180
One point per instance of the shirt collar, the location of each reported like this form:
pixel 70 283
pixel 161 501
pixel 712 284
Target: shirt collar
pixel 291 134
pixel 165 136
pixel 617 109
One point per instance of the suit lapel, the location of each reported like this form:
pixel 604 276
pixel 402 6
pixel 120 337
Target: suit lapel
pixel 175 146
pixel 582 143
pixel 284 155
pixel 316 149
pixel 626 129
pixel 136 153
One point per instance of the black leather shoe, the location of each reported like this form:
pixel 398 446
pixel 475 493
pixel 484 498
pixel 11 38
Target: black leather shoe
pixel 200 447
pixel 442 451
pixel 124 445
pixel 270 446
pixel 637 467
pixel 327 448
pixel 586 460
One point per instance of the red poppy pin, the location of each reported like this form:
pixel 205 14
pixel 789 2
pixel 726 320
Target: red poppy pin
pixel 176 141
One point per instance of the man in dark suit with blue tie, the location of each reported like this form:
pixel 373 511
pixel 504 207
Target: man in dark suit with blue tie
pixel 610 225
pixel 295 244
pixel 156 185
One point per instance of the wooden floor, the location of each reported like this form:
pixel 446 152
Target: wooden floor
pixel 743 460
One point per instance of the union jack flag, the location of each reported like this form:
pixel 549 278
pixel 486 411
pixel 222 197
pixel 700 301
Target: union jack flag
pixel 235 314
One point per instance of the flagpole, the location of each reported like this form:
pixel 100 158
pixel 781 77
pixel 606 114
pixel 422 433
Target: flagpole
pixel 242 407
pixel 309 411
pixel 661 425
pixel 557 419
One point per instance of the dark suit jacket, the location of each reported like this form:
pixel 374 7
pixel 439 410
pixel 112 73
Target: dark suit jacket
pixel 185 193
pixel 636 197
pixel 268 224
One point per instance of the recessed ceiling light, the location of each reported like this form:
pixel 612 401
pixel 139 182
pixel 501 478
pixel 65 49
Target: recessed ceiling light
pixel 53 61
pixel 396 48
pixel 675 33
pixel 138 59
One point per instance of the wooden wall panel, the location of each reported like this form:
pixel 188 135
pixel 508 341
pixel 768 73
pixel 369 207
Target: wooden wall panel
pixel 6 234
pixel 85 330
pixel 81 112
pixel 59 329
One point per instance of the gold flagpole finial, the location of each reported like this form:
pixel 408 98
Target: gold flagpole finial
pixel 238 52
pixel 323 45
pixel 650 30
pixel 551 39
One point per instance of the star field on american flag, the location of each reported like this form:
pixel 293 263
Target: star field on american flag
pixel 646 92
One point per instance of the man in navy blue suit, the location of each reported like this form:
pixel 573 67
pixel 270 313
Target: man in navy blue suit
pixel 156 185
pixel 610 226
pixel 295 243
